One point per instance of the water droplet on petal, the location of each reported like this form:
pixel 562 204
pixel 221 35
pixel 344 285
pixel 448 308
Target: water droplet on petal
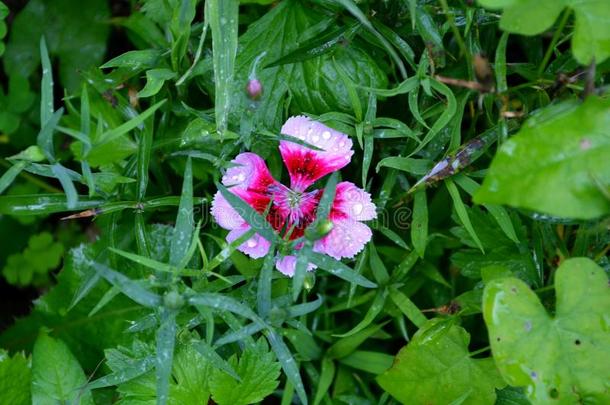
pixel 357 208
pixel 326 135
pixel 315 138
pixel 252 243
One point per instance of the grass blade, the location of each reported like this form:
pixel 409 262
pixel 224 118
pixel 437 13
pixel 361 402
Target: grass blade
pixel 185 223
pixel 407 307
pixel 66 183
pixel 224 303
pixel 129 125
pixel 11 174
pixel 359 15
pixel 46 85
pixel 166 341
pixel 419 224
pixel 128 287
pixel 291 370
pixel 340 270
pixel 223 16
pixel 249 214
pixel 460 209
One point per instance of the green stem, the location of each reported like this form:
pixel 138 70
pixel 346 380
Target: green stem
pixel 458 36
pixel 554 40
pixel 484 349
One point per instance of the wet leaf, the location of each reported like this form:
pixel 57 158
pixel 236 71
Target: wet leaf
pixel 556 163
pixel 591 39
pixel 561 358
pixel 441 364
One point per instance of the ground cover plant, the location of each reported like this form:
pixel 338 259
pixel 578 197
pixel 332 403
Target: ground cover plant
pixel 305 201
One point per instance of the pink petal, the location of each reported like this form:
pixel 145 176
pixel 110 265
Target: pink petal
pixel 255 247
pixel 346 239
pixel 224 214
pixel 306 165
pixel 250 172
pixel 287 265
pixel 354 202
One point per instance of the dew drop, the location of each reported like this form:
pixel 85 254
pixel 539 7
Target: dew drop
pixel 315 138
pixel 357 208
pixel 252 243
pixel 326 135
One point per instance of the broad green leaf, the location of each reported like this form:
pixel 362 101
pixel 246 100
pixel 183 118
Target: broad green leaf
pixel 76 35
pixel 591 39
pixel 223 16
pixel 561 358
pixel 436 368
pixel 15 377
pixel 371 362
pixel 258 370
pixel 56 374
pixel 557 164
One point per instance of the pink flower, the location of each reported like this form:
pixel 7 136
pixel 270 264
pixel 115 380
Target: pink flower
pixel 293 208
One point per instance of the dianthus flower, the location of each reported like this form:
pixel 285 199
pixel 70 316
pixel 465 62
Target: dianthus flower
pixel 291 209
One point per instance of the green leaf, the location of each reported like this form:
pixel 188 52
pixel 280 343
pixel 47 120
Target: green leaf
pixel 419 224
pixel 340 270
pixel 15 377
pixel 185 221
pixel 31 267
pixel 290 367
pixel 462 213
pixel 557 164
pixel 259 373
pixel 223 18
pixel 56 374
pixel 10 175
pixel 591 39
pixel 164 354
pixel 77 35
pixel 155 78
pixel 436 368
pixel 249 214
pixel 561 358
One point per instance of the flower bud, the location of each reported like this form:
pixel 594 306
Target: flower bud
pixel 319 231
pixel 254 88
pixel 173 300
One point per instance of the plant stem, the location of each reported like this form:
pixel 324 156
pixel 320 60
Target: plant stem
pixel 554 40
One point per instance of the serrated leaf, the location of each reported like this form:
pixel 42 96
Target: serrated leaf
pixel 436 368
pixel 258 370
pixel 56 374
pixel 15 377
pixel 561 358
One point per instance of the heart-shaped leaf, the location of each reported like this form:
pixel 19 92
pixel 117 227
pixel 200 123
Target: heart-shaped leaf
pixel 561 359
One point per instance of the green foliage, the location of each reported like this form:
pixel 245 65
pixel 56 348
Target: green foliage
pixel 119 119
pixel 561 358
pixel 258 372
pixel 15 379
pixel 76 35
pixel 437 360
pixel 56 374
pixel 32 266
pixel 591 38
pixel 557 160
